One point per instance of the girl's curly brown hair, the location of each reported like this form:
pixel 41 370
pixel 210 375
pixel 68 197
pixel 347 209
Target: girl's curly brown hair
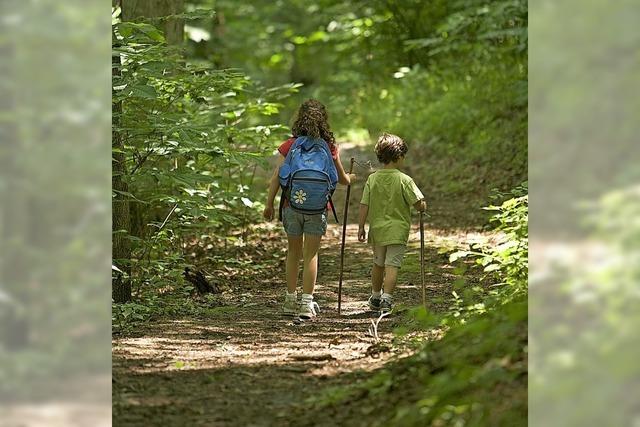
pixel 390 148
pixel 312 120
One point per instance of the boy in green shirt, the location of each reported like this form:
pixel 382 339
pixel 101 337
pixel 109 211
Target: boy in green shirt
pixel 386 203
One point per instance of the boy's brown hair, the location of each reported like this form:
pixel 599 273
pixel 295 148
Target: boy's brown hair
pixel 390 148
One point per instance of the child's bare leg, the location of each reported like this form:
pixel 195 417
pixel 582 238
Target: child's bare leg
pixel 377 274
pixel 294 253
pixel 390 278
pixel 310 262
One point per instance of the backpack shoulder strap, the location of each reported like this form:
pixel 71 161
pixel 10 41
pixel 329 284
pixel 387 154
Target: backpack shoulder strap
pixel 281 206
pixel 287 160
pixel 333 209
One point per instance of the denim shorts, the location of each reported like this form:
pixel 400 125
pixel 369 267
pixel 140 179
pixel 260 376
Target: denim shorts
pixel 297 224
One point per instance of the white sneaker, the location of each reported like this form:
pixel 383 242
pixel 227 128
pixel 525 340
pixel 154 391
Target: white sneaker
pixel 308 309
pixel 386 305
pixel 290 306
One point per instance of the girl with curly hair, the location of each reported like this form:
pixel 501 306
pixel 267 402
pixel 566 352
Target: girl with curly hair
pixel 304 232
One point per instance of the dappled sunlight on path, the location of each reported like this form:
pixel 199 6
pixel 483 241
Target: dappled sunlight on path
pixel 246 364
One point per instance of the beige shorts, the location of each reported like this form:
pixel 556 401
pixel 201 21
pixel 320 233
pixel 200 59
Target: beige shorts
pixel 389 255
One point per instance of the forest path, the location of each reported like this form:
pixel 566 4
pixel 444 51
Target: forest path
pixel 243 363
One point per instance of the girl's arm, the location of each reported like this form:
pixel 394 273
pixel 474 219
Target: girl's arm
pixel 364 211
pixel 343 177
pixel 274 184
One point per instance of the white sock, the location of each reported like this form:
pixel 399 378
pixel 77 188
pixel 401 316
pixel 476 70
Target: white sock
pixel 387 297
pixel 307 297
pixel 376 294
pixel 292 295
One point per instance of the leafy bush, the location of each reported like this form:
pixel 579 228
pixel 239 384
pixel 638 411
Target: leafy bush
pixel 125 316
pixel 476 375
pixel 506 261
pixel 193 138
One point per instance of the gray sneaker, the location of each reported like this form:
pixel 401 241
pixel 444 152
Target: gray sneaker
pixel 308 310
pixel 290 306
pixel 386 306
pixel 374 302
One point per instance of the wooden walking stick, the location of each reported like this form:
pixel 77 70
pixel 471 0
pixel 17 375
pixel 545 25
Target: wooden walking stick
pixel 424 292
pixel 344 234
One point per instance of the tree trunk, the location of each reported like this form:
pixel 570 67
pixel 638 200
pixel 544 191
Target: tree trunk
pixel 121 246
pixel 173 28
pixel 121 208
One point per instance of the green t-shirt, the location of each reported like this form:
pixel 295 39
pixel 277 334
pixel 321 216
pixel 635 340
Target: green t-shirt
pixel 390 194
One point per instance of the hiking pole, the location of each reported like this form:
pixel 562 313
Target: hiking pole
pixel 344 234
pixel 424 292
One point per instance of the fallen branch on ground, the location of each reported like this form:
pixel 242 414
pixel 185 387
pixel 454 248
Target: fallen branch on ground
pixel 312 357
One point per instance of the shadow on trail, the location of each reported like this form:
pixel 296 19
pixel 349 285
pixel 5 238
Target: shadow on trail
pixel 246 364
pixel 256 395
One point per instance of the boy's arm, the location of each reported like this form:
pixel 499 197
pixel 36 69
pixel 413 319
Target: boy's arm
pixel 421 205
pixel 412 192
pixel 364 210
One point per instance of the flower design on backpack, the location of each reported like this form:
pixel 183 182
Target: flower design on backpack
pixel 299 197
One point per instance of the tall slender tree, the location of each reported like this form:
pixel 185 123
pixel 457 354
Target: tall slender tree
pixel 124 215
pixel 121 247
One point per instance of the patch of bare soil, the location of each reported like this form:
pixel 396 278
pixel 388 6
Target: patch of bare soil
pixel 247 365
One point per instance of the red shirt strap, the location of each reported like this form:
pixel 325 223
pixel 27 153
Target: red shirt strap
pixel 286 146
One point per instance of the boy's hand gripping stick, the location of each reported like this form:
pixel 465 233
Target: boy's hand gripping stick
pixel 344 234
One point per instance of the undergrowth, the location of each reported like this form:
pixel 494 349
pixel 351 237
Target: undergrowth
pixel 476 374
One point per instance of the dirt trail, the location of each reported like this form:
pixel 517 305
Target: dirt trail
pixel 248 365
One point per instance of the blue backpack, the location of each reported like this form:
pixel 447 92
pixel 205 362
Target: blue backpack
pixel 308 177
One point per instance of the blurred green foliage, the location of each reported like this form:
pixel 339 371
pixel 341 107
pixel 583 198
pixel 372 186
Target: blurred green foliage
pixel 54 184
pixel 583 128
pixel 591 294
pixel 584 229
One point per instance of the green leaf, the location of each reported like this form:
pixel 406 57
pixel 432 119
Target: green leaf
pixel 137 29
pixel 184 135
pixel 155 68
pixel 457 255
pixel 492 267
pixel 144 91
